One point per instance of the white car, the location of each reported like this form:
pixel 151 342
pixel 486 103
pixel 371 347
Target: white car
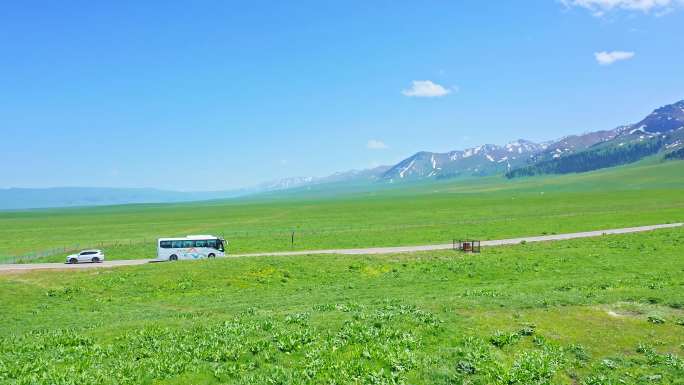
pixel 94 256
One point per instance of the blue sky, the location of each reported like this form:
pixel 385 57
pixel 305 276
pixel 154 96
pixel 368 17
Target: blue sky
pixel 218 95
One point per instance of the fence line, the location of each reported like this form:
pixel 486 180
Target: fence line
pixel 32 255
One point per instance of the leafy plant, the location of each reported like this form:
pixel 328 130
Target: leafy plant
pixel 501 339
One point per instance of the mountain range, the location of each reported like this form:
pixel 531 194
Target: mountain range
pixel 662 131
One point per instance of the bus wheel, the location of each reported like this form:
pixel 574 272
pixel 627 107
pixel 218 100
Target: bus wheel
pixel 174 257
pixel 73 261
pixel 96 259
pixel 212 255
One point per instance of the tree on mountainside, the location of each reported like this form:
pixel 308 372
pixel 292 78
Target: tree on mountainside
pixel 676 154
pixel 591 160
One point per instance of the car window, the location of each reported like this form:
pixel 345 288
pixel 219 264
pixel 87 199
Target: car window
pixel 88 252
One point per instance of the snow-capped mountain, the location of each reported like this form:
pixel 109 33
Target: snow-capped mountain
pixel 492 159
pixel 284 183
pixel 663 119
pixel 368 175
pixel 662 131
pixel 665 124
pixel 486 159
pixel 574 143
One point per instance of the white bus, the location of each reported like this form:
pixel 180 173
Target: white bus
pixel 190 247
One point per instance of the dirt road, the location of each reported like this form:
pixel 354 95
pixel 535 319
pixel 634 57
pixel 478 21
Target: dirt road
pixel 372 250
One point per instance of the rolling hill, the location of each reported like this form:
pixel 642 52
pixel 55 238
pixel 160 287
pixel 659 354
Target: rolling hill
pixel 26 198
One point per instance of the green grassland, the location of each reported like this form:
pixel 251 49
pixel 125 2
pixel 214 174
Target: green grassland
pixel 607 310
pixel 649 192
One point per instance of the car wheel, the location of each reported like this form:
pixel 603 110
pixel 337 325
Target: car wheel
pixel 174 257
pixel 212 255
pixel 73 261
pixel 96 259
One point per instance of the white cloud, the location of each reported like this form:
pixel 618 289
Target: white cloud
pixel 607 58
pixel 425 89
pixel 375 144
pixel 601 7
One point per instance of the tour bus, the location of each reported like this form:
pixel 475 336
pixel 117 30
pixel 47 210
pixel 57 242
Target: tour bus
pixel 190 247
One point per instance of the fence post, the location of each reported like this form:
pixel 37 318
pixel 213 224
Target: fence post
pixel 292 240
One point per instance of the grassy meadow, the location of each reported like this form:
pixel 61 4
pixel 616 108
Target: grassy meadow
pixel 649 192
pixel 607 310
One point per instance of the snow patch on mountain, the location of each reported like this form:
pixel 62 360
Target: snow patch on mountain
pixel 407 168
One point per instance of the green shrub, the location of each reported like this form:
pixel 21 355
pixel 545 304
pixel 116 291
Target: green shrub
pixel 501 339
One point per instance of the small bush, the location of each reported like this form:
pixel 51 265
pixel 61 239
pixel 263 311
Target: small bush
pixel 534 368
pixel 501 339
pixel 298 318
pixel 608 363
pixel 527 330
pixel 579 352
pixel 465 367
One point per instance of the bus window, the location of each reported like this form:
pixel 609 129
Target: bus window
pixel 165 244
pixel 177 244
pixel 188 244
pixel 200 243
